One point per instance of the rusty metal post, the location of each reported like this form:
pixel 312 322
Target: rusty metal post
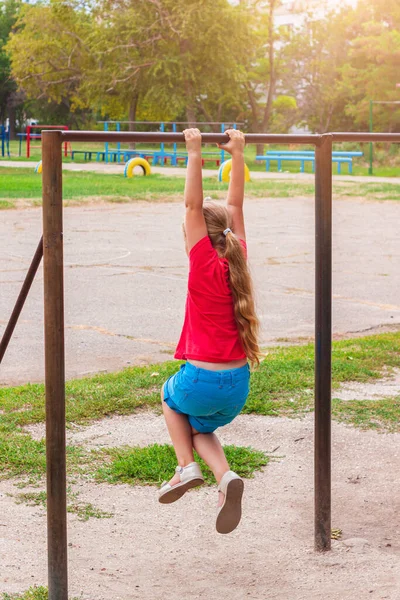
pixel 54 365
pixel 26 286
pixel 323 341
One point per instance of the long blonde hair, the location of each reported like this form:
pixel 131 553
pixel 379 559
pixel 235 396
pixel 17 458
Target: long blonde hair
pixel 217 220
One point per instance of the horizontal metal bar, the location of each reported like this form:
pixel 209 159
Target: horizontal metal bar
pixel 207 138
pixel 365 137
pixel 156 137
pixel 175 122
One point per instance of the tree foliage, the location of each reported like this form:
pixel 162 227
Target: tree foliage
pixel 317 53
pixel 373 66
pixel 203 60
pixel 50 51
pixel 8 87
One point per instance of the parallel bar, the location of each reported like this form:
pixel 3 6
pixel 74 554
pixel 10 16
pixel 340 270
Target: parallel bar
pixel 156 137
pixel 54 365
pixel 30 276
pixel 323 342
pixel 365 137
pixel 169 122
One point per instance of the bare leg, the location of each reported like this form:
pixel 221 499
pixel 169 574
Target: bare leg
pixel 180 432
pixel 209 448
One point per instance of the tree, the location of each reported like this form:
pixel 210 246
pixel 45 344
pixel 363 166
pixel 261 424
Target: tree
pixel 167 56
pixel 372 69
pixel 200 68
pixel 267 67
pixel 172 55
pixel 317 51
pixel 8 87
pixel 50 51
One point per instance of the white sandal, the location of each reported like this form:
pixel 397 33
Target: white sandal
pixel 229 514
pixel 190 477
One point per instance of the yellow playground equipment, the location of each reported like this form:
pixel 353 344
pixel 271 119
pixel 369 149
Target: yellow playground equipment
pixel 225 169
pixel 137 162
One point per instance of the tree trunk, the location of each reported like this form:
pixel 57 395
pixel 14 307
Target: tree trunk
pixel 185 47
pixel 208 117
pixel 328 119
pixel 191 115
pixel 255 116
pixel 259 149
pixel 132 117
pixel 271 60
pixel 272 77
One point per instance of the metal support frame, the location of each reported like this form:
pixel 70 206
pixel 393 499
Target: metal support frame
pixel 54 321
pixel 323 343
pixel 26 286
pixel 54 365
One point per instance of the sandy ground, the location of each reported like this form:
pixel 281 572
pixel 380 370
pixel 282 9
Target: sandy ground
pixel 153 552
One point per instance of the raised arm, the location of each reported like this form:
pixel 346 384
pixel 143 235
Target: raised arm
pixel 195 225
pixel 234 201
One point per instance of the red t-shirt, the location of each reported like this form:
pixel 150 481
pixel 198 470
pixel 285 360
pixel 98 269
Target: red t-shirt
pixel 209 331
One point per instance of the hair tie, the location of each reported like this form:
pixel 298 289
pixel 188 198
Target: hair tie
pixel 227 230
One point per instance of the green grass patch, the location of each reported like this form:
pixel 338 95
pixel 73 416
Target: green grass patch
pixel 4 204
pixel 283 385
pixel 381 415
pixel 34 593
pixel 90 398
pixel 22 455
pixel 385 164
pixel 24 185
pixel 83 510
pixel 153 464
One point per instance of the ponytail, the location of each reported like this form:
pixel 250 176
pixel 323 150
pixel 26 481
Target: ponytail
pixel 243 296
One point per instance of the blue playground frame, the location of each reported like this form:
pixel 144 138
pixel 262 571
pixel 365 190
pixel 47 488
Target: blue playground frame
pixel 5 140
pixel 303 156
pixel 161 155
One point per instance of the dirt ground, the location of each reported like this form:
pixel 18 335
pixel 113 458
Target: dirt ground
pixel 157 552
pixel 152 551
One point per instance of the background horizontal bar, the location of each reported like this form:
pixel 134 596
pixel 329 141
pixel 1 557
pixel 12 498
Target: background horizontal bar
pixel 175 122
pixel 156 137
pixel 208 138
pixel 365 137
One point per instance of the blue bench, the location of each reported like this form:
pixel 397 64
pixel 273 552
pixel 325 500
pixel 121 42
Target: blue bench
pixel 113 155
pixel 87 154
pixel 338 157
pixel 157 156
pixel 175 157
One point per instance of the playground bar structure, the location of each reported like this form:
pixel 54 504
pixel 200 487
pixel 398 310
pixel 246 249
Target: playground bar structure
pixel 54 321
pixel 118 154
pixel 32 136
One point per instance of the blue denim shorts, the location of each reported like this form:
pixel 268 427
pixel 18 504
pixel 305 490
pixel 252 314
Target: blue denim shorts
pixel 210 399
